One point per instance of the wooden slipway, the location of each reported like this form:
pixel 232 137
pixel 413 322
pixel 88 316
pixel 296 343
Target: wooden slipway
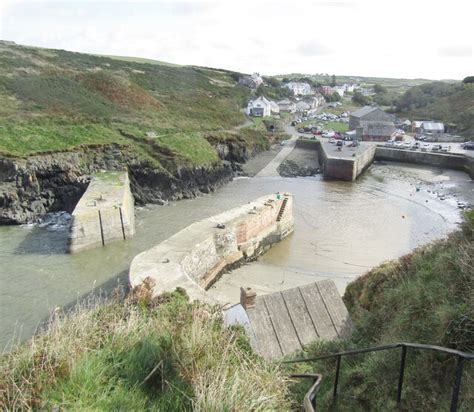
pixel 283 322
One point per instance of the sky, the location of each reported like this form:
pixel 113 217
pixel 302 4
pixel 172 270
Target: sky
pixel 398 38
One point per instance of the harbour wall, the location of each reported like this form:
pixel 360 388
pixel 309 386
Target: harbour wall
pixel 104 214
pixel 195 257
pixel 340 167
pixel 444 160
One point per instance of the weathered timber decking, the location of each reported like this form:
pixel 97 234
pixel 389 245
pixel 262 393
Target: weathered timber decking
pixel 284 322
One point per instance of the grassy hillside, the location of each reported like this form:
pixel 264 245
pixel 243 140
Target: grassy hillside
pixel 425 297
pixel 140 354
pixel 56 100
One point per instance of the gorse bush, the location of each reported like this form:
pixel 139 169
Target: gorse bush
pixel 140 354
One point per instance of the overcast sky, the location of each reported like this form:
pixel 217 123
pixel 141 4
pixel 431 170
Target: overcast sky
pixel 398 38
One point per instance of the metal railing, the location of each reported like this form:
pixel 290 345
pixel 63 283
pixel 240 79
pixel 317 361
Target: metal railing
pixel 309 401
pixel 461 357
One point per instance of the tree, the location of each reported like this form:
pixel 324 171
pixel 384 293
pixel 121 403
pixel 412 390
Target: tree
pixel 378 88
pixel 359 98
pixel 468 80
pixel 333 80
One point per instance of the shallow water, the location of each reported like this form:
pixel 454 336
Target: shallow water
pixel 341 230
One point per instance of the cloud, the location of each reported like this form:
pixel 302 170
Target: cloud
pixel 338 4
pixel 313 48
pixel 458 50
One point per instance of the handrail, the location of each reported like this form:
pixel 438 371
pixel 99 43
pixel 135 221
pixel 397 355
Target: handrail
pixel 461 357
pixel 309 401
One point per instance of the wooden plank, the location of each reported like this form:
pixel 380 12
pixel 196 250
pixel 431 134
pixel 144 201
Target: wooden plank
pixel 298 311
pixel 335 306
pixel 267 343
pixel 282 323
pixel 318 311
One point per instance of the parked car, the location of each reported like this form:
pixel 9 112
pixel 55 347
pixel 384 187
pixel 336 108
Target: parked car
pixel 332 140
pixel 425 147
pixel 415 146
pixel 406 145
pixel 390 143
pixel 339 143
pixel 436 148
pixel 468 146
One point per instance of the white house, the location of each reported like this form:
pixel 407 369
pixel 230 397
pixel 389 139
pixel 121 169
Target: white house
pixel 299 88
pixel 286 106
pixel 302 106
pixel 339 90
pixel 252 81
pixel 261 107
pixel 432 127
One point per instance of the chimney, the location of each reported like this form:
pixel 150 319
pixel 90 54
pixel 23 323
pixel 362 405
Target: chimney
pixel 247 298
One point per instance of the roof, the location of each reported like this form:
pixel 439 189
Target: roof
pixel 433 126
pixel 285 101
pixel 364 111
pixel 283 322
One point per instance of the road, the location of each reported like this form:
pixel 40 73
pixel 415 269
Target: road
pixel 271 168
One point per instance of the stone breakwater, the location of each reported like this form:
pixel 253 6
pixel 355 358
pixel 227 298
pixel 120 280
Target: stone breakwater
pixel 195 257
pixel 104 214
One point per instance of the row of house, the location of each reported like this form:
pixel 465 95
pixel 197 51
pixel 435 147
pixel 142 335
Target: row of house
pixel 345 88
pixel 299 88
pixel 261 106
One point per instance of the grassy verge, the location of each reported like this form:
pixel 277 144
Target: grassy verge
pixel 140 354
pixel 424 297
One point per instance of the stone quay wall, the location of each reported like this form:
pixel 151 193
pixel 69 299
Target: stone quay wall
pixel 444 160
pixel 195 257
pixel 340 167
pixel 104 214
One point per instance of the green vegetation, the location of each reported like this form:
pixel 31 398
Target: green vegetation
pixel 54 100
pixel 424 297
pixel 452 104
pixel 140 354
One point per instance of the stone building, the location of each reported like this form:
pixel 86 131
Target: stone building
pixel 368 113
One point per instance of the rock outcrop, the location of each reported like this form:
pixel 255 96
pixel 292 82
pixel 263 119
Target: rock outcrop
pixel 52 182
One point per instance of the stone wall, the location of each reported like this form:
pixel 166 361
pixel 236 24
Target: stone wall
pixel 195 257
pixel 104 214
pixel 341 168
pixel 444 160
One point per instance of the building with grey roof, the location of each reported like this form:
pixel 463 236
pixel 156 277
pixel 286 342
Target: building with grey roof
pixel 368 113
pixel 375 131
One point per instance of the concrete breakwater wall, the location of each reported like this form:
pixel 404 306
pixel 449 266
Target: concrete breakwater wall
pixel 348 164
pixel 444 160
pixel 104 214
pixel 195 257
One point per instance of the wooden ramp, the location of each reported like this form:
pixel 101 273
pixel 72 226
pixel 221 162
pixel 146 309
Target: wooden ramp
pixel 283 322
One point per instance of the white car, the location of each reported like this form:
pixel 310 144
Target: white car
pixel 398 145
pixel 406 145
pixel 425 147
pixel 332 140
pixel 389 143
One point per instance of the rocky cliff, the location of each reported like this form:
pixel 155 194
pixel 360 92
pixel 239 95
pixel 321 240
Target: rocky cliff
pixel 51 182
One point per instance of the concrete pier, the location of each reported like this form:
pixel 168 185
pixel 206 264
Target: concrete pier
pixel 347 164
pixel 195 257
pixel 104 214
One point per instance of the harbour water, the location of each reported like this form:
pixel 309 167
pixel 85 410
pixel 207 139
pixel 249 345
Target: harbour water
pixel 342 229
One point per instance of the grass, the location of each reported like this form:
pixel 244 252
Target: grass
pixel 140 354
pixel 425 297
pixel 57 100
